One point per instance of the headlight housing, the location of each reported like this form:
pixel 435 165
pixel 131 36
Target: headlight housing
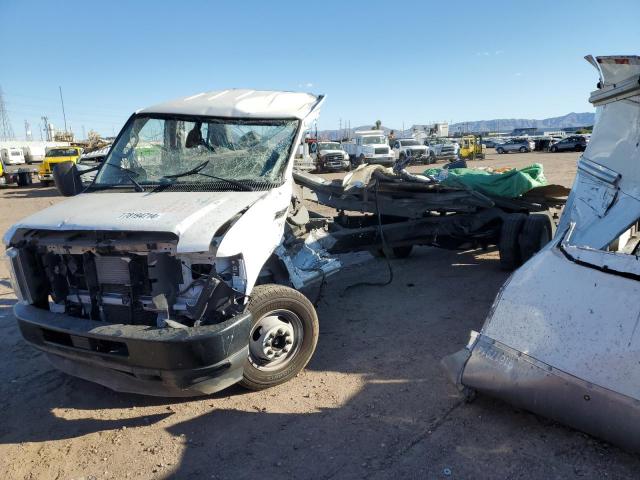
pixel 17 275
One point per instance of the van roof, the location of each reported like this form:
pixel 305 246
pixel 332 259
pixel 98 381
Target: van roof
pixel 241 103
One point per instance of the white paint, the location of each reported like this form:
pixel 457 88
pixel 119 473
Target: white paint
pixel 241 103
pixel 579 319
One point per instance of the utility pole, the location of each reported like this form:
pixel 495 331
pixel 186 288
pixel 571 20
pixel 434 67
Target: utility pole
pixel 63 114
pixel 6 131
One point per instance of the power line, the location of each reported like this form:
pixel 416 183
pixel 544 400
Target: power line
pixel 6 130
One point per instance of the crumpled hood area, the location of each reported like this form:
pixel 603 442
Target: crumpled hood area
pixel 194 217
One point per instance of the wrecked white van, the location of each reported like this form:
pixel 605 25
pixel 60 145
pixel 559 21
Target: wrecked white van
pixel 172 272
pixel 563 337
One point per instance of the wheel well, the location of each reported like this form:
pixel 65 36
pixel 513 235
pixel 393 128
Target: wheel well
pixel 274 271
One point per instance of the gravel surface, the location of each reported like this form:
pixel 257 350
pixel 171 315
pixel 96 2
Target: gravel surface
pixel 373 402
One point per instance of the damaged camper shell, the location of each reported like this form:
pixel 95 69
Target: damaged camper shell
pixel 563 336
pixel 176 271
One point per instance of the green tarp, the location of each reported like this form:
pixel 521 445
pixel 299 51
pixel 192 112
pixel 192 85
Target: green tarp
pixel 510 184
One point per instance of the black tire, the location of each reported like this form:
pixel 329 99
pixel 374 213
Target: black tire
pixel 269 298
pixel 431 159
pixel 508 244
pixel 22 181
pixel 536 233
pixel 500 150
pixel 362 159
pixel 523 149
pixel 554 149
pixel 45 183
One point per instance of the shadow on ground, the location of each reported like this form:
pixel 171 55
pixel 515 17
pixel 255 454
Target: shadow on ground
pixel 34 191
pixel 373 403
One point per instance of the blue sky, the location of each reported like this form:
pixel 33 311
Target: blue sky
pixel 410 62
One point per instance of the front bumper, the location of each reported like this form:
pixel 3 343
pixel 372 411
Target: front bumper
pixel 381 160
pixel 141 359
pixel 495 369
pixel 47 177
pixel 336 166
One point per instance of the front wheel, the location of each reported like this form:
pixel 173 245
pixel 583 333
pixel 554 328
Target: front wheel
pixel 499 150
pixel 284 335
pixel 523 150
pixel 554 149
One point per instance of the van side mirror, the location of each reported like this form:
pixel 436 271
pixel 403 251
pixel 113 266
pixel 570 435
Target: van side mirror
pixel 67 179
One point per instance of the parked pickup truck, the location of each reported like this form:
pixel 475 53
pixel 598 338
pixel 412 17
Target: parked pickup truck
pixel 369 146
pixel 330 157
pixel 177 271
pixel 441 149
pixel 410 147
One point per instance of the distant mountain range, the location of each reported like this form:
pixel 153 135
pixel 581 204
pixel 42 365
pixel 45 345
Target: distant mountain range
pixel 508 124
pixel 497 125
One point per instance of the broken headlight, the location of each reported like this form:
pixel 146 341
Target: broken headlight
pixel 14 261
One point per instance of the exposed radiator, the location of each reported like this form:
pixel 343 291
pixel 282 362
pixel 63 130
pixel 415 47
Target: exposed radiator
pixel 113 270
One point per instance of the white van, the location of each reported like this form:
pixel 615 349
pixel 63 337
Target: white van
pixel 12 156
pixel 181 282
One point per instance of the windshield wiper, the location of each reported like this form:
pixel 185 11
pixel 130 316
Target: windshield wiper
pixel 129 174
pixel 197 170
pixel 194 170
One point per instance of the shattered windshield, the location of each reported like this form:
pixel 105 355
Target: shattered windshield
pixel 197 151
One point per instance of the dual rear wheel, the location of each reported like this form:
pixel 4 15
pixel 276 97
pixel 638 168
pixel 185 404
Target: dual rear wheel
pixel 521 237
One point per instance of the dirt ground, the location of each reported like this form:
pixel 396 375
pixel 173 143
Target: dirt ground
pixel 373 403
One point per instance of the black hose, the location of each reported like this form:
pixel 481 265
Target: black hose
pixel 385 249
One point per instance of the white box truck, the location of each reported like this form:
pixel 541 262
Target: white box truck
pixel 369 146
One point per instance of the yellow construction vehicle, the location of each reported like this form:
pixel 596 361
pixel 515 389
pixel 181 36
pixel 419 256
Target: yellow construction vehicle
pixel 56 155
pixel 471 148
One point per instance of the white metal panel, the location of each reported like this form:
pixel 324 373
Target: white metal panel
pixel 193 216
pixel 241 103
pixel 580 320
